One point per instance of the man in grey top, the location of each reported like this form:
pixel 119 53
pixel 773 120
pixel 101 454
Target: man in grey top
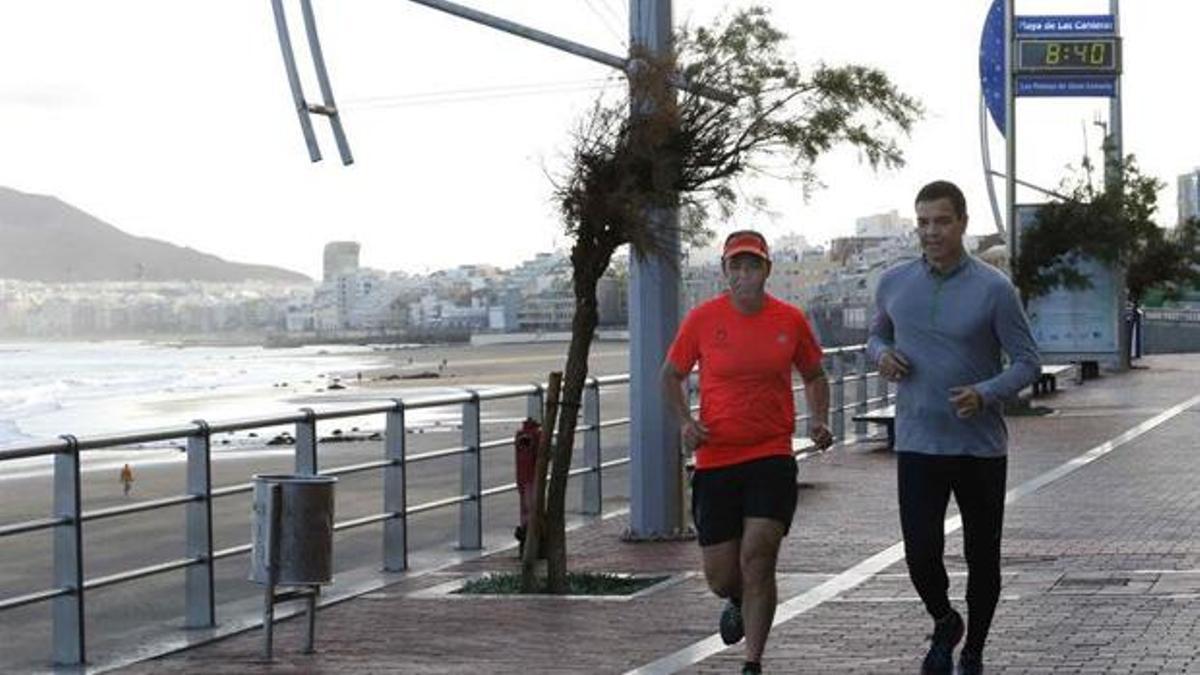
pixel 939 328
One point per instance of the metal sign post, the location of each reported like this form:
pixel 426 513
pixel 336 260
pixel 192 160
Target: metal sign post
pixel 1056 56
pixel 1114 159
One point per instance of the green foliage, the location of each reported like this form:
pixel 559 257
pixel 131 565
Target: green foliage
pixel 686 150
pixel 1114 225
pixel 578 583
pixel 1169 266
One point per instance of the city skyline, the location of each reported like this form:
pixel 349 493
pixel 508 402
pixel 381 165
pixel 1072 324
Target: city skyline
pixel 175 122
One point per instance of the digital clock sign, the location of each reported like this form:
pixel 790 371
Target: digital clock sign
pixel 1069 55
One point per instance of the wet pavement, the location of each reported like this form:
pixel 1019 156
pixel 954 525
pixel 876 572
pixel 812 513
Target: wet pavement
pixel 1101 565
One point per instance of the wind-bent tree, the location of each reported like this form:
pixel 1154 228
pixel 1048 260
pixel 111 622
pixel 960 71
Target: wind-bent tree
pixel 685 152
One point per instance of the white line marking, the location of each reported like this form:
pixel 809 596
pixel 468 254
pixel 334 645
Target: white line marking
pixel 854 576
pixel 906 599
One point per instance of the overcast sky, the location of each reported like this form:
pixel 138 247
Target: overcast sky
pixel 173 119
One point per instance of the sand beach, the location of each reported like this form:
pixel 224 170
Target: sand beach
pixel 117 544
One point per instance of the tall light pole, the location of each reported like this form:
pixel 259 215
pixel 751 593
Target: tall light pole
pixel 654 475
pixel 1114 153
pixel 1114 142
pixel 1114 173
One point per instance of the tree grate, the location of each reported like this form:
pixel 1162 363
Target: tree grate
pixel 1090 582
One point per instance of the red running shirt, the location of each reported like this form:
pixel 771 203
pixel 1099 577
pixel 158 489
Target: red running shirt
pixel 746 398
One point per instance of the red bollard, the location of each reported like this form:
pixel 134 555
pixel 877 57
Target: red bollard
pixel 526 443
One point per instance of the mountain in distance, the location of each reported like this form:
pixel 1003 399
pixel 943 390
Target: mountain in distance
pixel 45 239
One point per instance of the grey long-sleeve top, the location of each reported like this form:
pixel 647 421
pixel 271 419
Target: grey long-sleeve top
pixel 952 327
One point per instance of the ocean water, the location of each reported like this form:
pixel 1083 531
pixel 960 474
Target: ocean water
pixel 87 388
pixel 91 388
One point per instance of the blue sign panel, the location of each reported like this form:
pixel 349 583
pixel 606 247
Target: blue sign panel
pixel 1032 85
pixel 991 58
pixel 991 63
pixel 1034 26
pixel 1074 322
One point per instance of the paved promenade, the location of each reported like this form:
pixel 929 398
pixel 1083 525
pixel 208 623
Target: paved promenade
pixel 1101 566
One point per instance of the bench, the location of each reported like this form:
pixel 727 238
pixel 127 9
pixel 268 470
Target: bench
pixel 1048 380
pixel 885 416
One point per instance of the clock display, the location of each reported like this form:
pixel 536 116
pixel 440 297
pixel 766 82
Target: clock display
pixel 1067 55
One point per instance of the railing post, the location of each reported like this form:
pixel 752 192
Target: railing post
pixel 593 495
pixel 535 404
pixel 200 594
pixel 839 396
pixel 882 390
pixel 470 512
pixel 692 390
pixel 69 643
pixel 306 443
pixel 860 407
pixel 395 489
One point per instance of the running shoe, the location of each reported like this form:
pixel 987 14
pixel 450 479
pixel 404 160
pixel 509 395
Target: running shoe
pixel 732 629
pixel 946 633
pixel 970 661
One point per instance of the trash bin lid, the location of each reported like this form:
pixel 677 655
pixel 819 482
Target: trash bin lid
pixel 292 478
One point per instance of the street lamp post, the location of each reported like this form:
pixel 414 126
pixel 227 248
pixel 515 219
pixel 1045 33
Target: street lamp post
pixel 655 477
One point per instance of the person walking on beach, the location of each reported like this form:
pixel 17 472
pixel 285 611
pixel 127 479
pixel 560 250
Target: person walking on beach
pixel 744 489
pixel 126 479
pixel 939 327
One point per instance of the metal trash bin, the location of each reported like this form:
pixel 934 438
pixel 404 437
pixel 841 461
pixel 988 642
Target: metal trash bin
pixel 292 542
pixel 304 537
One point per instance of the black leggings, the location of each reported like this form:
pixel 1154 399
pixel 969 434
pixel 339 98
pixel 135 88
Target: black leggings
pixel 978 483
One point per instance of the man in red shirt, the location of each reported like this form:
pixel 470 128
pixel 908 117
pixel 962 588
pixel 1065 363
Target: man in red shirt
pixel 744 487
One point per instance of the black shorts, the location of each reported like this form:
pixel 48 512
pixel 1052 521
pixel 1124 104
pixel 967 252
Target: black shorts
pixel 724 496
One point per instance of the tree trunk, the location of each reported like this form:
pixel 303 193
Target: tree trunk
pixel 537 522
pixel 583 328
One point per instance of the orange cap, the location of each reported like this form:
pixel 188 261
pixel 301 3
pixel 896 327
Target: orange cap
pixel 746 243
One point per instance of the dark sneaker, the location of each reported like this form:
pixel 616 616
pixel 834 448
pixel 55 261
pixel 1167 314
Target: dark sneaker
pixel 970 662
pixel 749 668
pixel 732 629
pixel 946 633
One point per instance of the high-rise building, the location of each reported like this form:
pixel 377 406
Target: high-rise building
pixel 1189 195
pixel 341 258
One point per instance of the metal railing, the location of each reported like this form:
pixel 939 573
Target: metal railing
pixel 70 586
pixel 1176 315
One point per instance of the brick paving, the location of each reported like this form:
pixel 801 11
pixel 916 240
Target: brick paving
pixel 1101 571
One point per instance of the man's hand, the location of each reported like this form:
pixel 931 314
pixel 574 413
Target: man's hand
pixel 893 365
pixel 966 401
pixel 694 433
pixel 821 436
